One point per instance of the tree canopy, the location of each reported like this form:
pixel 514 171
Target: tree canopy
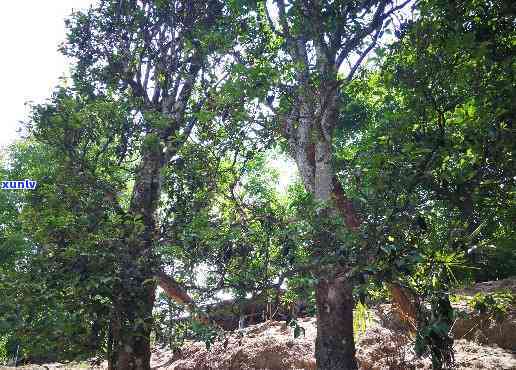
pixel 157 201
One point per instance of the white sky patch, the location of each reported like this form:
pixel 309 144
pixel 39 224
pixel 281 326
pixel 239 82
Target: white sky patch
pixel 30 33
pixel 286 168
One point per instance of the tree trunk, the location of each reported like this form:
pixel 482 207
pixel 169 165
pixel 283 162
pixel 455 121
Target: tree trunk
pixel 132 321
pixel 131 328
pixel 334 346
pixel 310 143
pixel 134 297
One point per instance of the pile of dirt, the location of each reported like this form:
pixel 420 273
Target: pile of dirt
pixel 268 345
pixel 481 328
pixel 271 345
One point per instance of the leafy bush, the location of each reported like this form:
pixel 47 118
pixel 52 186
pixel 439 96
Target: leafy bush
pixel 495 305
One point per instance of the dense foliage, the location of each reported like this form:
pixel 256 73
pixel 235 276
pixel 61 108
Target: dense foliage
pixel 157 162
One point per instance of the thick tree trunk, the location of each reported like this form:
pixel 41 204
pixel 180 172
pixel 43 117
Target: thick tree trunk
pixel 134 299
pixel 131 328
pixel 132 321
pixel 311 146
pixel 334 346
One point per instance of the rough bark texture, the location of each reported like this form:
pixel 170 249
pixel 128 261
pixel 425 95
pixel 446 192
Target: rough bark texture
pixel 130 331
pixel 334 346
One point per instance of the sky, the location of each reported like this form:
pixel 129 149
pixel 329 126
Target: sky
pixel 30 33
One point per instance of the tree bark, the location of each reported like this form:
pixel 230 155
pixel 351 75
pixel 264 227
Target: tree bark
pixel 310 143
pixel 334 346
pixel 179 295
pixel 132 319
pixel 131 328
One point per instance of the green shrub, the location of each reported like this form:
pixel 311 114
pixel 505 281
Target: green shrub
pixel 495 305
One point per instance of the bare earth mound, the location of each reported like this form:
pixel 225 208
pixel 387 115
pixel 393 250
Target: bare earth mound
pixel 271 345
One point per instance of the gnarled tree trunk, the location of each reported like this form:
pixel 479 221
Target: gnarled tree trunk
pixel 131 327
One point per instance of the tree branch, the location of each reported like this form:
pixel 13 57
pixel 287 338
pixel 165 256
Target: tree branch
pixel 363 55
pixel 179 295
pixel 375 24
